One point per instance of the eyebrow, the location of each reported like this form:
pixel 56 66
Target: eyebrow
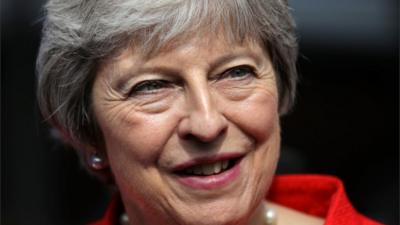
pixel 121 83
pixel 224 59
pixel 233 56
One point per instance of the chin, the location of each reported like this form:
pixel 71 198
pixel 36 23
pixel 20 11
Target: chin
pixel 230 204
pixel 217 214
pixel 235 208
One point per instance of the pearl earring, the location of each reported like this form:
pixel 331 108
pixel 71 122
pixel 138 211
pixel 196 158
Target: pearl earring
pixel 96 161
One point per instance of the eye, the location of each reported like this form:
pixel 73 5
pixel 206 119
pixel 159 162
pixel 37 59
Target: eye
pixel 238 72
pixel 149 87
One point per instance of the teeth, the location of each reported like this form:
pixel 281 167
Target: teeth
pixel 208 169
pixel 189 170
pixel 197 170
pixel 225 164
pixel 217 167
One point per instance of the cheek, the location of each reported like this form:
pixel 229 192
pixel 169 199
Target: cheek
pixel 135 136
pixel 134 145
pixel 259 119
pixel 257 116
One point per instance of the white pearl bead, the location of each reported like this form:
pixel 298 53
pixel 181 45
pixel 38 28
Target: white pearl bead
pixel 270 217
pixel 124 220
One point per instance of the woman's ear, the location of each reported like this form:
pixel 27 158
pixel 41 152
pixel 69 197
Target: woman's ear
pixel 96 162
pixel 95 159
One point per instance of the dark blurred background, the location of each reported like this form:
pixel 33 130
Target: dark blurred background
pixel 345 122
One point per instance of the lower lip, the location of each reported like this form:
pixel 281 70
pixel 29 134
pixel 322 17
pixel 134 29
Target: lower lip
pixel 212 181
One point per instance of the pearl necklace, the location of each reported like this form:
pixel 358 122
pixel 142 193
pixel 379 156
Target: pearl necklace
pixel 270 217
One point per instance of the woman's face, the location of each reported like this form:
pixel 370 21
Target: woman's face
pixel 192 133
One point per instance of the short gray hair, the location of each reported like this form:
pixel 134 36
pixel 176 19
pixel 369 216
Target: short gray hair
pixel 78 34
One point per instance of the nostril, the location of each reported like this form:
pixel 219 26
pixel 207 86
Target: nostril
pixel 202 127
pixel 191 137
pixel 205 137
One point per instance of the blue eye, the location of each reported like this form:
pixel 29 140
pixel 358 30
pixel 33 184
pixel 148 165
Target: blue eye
pixel 148 87
pixel 238 72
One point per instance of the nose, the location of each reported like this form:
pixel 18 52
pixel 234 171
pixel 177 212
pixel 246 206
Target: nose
pixel 203 121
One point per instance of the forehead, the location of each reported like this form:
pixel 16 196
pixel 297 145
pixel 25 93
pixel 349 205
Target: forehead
pixel 208 47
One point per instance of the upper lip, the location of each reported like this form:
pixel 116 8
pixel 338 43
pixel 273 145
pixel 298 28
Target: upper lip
pixel 206 160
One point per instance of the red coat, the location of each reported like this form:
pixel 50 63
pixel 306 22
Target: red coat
pixel 317 195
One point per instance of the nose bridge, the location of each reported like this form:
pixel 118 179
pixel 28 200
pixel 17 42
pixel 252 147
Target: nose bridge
pixel 202 103
pixel 204 120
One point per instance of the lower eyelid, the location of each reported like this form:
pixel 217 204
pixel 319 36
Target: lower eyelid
pixel 245 69
pixel 147 84
pixel 149 93
pixel 247 75
pixel 143 93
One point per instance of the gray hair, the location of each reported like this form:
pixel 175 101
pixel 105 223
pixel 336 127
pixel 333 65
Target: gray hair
pixel 78 34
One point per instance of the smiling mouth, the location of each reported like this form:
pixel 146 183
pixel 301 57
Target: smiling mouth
pixel 208 169
pixel 209 173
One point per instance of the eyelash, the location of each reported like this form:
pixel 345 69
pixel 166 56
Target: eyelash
pixel 154 86
pixel 249 70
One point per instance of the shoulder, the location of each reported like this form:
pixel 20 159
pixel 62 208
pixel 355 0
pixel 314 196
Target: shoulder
pixel 318 196
pixel 111 215
pixel 286 216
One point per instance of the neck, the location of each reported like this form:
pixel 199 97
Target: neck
pixel 258 217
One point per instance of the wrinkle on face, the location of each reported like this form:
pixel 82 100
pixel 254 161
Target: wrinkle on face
pixel 141 131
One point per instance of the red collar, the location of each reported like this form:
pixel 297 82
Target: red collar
pixel 322 196
pixel 317 195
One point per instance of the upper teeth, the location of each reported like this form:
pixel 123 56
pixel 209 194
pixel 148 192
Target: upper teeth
pixel 208 169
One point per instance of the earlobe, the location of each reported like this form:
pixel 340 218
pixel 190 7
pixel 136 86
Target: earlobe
pixel 97 164
pixel 96 160
pixel 93 158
